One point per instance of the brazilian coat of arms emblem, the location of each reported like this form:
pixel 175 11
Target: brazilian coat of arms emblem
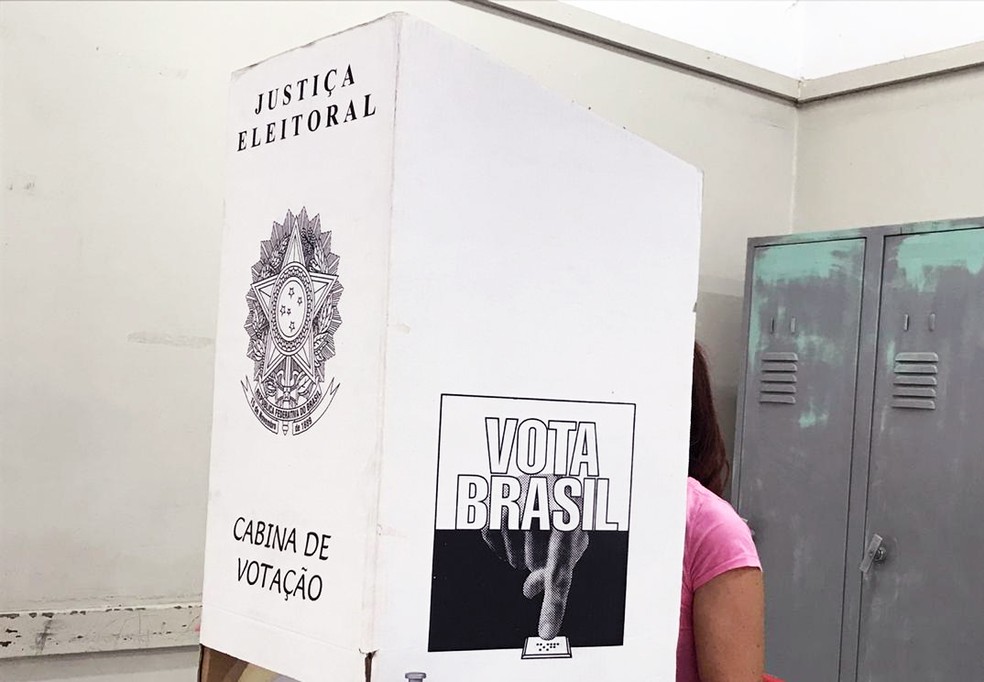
pixel 293 316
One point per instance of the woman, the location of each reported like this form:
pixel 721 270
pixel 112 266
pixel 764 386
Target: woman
pixel 722 604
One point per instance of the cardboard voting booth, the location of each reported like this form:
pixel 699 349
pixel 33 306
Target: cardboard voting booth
pixel 453 364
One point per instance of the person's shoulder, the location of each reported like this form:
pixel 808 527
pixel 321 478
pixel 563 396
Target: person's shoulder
pixel 718 539
pixel 706 512
pixel 703 504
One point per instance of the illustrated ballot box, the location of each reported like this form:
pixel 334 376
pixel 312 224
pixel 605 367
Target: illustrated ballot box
pixel 453 364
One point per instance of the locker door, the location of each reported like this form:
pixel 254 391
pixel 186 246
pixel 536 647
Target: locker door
pixel 922 611
pixel 795 460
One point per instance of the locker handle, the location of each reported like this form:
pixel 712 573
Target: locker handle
pixel 874 554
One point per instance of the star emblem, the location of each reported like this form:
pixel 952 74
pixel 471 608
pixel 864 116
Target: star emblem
pixel 293 314
pixel 291 300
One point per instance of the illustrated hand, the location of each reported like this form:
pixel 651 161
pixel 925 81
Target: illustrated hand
pixel 550 557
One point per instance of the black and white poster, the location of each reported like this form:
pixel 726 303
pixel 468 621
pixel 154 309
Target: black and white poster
pixel 532 525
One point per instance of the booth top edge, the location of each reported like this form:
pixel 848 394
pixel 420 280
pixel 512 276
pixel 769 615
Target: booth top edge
pixel 398 20
pixel 394 17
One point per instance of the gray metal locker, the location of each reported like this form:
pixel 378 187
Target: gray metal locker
pixel 859 459
pixel 922 611
pixel 803 334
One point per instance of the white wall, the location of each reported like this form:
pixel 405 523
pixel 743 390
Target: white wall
pixel 899 154
pixel 112 126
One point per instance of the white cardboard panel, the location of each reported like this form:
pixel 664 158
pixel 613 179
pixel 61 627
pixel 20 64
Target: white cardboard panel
pixel 515 281
pixel 538 252
pixel 321 480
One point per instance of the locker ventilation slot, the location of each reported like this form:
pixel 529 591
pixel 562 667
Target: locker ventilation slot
pixel 914 387
pixel 777 379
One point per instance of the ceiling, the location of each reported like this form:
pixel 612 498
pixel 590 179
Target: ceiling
pixel 805 39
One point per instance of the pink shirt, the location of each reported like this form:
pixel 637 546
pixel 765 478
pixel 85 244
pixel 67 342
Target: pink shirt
pixel 716 541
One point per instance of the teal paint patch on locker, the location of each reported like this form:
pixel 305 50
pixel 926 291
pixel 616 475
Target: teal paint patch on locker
pixel 786 264
pixel 922 258
pixel 775 264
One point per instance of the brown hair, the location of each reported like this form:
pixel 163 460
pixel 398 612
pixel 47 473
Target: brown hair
pixel 708 458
